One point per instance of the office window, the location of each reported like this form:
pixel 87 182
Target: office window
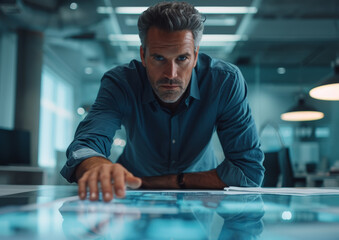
pixel 56 117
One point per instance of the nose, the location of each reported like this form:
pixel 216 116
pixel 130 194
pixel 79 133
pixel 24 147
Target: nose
pixel 171 70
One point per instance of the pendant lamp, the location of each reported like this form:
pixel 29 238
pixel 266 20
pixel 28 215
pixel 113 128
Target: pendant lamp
pixel 329 88
pixel 302 112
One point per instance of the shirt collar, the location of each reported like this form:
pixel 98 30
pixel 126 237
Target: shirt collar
pixel 148 95
pixel 194 91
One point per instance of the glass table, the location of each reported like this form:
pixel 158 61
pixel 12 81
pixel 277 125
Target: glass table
pixel 54 212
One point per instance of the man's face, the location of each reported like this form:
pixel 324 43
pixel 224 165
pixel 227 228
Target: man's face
pixel 169 60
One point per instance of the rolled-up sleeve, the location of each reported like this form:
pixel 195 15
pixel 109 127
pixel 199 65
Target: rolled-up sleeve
pixel 95 133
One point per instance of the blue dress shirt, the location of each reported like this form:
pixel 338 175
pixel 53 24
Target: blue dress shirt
pixel 160 142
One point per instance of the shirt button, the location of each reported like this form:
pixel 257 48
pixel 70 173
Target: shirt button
pixel 173 141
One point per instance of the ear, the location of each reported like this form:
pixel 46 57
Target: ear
pixel 196 52
pixel 142 56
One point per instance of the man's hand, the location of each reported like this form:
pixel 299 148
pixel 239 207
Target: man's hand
pixel 112 177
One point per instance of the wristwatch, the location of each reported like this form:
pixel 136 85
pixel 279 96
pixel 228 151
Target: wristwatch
pixel 180 180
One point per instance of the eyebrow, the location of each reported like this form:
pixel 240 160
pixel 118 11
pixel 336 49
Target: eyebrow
pixel 155 54
pixel 185 54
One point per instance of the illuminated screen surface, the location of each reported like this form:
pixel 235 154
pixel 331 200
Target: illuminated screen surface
pixel 174 215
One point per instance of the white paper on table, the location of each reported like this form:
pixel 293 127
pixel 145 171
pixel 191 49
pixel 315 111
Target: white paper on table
pixel 283 191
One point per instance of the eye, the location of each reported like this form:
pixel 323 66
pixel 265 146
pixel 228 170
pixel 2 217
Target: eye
pixel 182 58
pixel 158 58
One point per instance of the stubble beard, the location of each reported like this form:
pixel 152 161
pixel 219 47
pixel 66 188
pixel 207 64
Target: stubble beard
pixel 169 96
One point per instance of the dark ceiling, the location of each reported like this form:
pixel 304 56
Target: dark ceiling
pixel 300 35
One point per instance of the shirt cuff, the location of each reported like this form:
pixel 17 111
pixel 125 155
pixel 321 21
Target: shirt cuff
pixel 75 159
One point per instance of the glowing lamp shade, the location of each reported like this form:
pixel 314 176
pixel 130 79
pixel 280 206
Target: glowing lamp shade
pixel 302 116
pixel 329 88
pixel 302 112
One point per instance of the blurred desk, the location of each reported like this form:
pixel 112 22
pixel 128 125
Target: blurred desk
pixel 22 175
pixel 54 212
pixel 318 179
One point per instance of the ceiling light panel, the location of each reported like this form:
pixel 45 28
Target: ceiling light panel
pixel 227 10
pixel 229 21
pixel 206 37
pixel 225 21
pixel 203 10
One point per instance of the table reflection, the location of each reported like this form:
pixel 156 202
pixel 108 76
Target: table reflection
pixel 168 215
pixel 165 215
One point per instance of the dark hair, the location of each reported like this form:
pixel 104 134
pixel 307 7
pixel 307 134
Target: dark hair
pixel 171 16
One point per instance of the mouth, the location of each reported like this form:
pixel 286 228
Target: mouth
pixel 169 87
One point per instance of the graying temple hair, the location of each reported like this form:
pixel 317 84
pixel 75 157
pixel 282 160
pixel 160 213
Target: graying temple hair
pixel 171 16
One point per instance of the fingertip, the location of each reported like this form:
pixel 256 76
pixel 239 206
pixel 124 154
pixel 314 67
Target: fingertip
pixel 107 197
pixel 82 195
pixel 133 182
pixel 120 193
pixel 136 183
pixel 93 196
pixel 139 182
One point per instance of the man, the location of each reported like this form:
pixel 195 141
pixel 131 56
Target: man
pixel 170 104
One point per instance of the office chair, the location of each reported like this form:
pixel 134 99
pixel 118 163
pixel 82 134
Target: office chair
pixel 272 169
pixel 288 179
pixel 278 164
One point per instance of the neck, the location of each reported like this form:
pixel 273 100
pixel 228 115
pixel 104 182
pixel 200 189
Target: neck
pixel 170 106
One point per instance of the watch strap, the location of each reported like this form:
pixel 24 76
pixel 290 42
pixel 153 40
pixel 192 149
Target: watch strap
pixel 180 180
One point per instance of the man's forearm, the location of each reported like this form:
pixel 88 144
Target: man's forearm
pixel 198 180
